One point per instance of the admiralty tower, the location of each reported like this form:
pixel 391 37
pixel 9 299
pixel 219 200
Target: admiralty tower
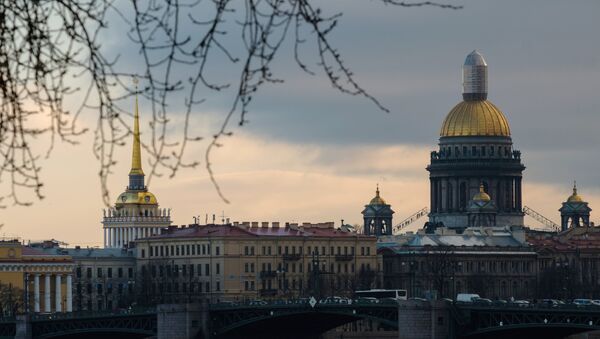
pixel 136 213
pixel 475 150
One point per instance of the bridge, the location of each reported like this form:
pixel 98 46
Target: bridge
pixel 297 319
pixel 525 322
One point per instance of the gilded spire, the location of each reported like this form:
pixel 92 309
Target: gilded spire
pixel 136 157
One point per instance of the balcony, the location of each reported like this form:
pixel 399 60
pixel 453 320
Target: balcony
pixel 268 292
pixel 344 257
pixel 268 274
pixel 291 257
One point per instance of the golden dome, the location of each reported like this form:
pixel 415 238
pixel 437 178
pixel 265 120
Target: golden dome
pixel 481 196
pixel 475 118
pixel 377 200
pixel 140 198
pixel 574 197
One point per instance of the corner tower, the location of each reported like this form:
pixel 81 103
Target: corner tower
pixel 574 212
pixel 475 148
pixel 136 213
pixel 378 216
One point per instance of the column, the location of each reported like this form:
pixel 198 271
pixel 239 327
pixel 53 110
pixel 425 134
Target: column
pixel 47 305
pixel 57 294
pixel 109 240
pixel 105 237
pixel 36 293
pixel 69 305
pixel 119 236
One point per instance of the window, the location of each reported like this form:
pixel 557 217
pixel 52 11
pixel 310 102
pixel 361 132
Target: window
pixel 246 285
pixel 207 269
pixel 279 250
pixel 219 285
pixel 246 268
pixel 251 250
pixel 218 268
pixel 199 270
pixel 78 272
pixel 368 250
pixel 99 275
pixel 218 250
pixel 246 250
pixel 187 249
pixel 203 249
pixel 193 250
pixel 130 272
pixel 143 253
pixel 251 286
pixel 120 272
pixel 331 251
pixel 207 286
pixel 109 272
pixel 251 268
pixel 161 251
pixel 177 250
pixel 99 288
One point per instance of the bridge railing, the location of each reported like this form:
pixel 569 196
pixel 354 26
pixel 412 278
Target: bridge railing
pixel 94 314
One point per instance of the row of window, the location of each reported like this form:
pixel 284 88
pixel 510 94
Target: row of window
pixel 180 250
pixel 177 270
pixel 100 272
pixel 283 250
pixel 175 287
pixel 466 267
pixel 100 288
pixel 475 151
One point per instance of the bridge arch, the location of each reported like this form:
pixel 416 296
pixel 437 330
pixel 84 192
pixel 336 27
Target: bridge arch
pixel 301 321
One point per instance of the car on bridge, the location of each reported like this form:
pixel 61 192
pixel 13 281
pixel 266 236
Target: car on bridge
pixel 366 300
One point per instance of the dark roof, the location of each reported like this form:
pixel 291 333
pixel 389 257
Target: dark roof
pixel 200 231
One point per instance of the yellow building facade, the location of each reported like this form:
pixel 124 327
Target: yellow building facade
pixel 247 261
pixel 32 281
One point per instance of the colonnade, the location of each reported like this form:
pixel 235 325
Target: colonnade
pixel 117 237
pixel 58 298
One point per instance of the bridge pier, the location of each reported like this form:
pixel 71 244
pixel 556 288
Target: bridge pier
pixel 23 327
pixel 185 321
pixel 424 320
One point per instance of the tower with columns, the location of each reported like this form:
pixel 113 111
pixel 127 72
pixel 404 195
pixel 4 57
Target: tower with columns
pixel 475 147
pixel 378 216
pixel 574 212
pixel 136 213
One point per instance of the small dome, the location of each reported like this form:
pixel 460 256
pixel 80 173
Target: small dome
pixel 481 195
pixel 138 198
pixel 377 200
pixel 475 118
pixel 574 197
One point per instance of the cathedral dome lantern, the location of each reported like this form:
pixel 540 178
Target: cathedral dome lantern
pixel 475 147
pixel 378 216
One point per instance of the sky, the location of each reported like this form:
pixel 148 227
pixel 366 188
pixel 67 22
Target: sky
pixel 312 154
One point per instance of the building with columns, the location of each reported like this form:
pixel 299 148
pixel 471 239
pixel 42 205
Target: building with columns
pixel 475 147
pixel 36 281
pixel 136 213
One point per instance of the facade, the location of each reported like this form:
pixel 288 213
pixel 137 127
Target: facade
pixel 568 262
pixel 103 278
pixel 248 261
pixel 136 213
pixel 475 148
pixel 493 262
pixel 33 281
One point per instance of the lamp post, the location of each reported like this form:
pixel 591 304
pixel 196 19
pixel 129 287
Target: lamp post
pixel 281 273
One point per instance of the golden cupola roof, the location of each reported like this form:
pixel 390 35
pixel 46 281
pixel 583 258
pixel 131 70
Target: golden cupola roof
pixel 574 197
pixel 136 198
pixel 377 200
pixel 481 195
pixel 475 118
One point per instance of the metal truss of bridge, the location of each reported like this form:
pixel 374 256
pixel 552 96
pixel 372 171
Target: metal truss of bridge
pixel 500 322
pixel 301 319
